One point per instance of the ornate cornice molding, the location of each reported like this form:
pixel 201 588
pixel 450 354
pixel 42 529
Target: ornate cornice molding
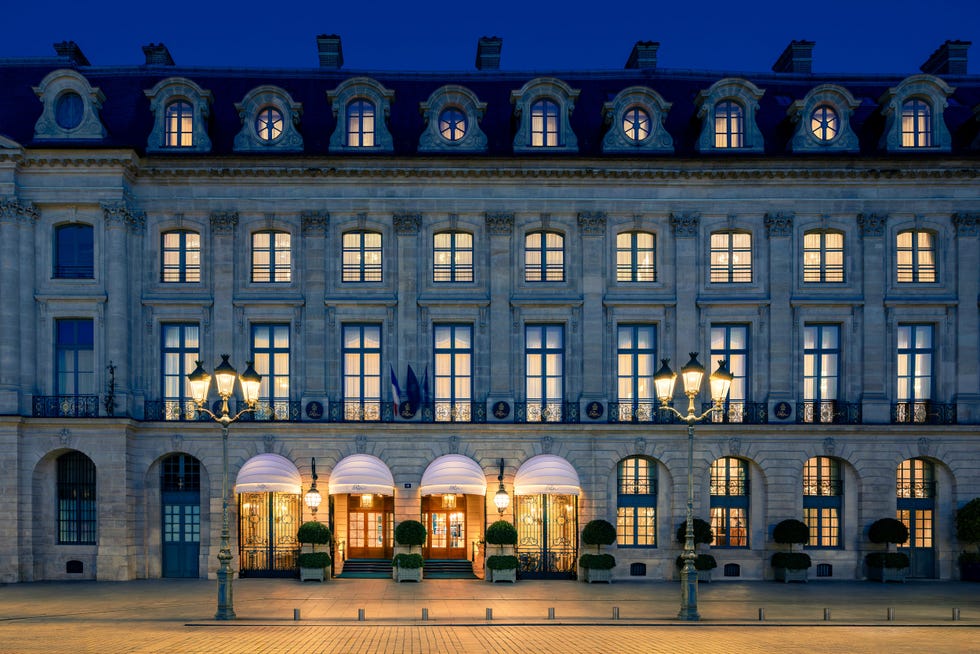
pixel 592 224
pixel 11 210
pixel 406 224
pixel 779 224
pixel 224 222
pixel 315 223
pixel 119 214
pixel 685 225
pixel 966 223
pixel 500 224
pixel 55 159
pixel 872 224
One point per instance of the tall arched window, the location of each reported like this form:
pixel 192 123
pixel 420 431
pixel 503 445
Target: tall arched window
pixel 544 124
pixel 179 121
pixel 823 495
pixel 636 504
pixel 730 502
pixel 360 124
pixel 76 499
pixel 916 124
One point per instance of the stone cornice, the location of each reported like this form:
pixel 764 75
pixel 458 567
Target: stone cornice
pixel 126 159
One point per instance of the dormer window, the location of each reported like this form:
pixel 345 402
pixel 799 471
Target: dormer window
pixel 268 124
pixel 180 109
pixel 916 124
pixel 913 113
pixel 452 124
pixel 635 122
pixel 727 111
pixel 360 124
pixel 542 108
pixel 71 108
pixel 180 125
pixel 452 121
pixel 68 110
pixel 823 121
pixel 544 124
pixel 361 106
pixel 729 125
pixel 270 121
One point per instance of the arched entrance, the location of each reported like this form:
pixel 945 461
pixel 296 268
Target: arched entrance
pixel 364 491
pixel 546 511
pixel 448 485
pixel 180 509
pixel 270 511
pixel 916 506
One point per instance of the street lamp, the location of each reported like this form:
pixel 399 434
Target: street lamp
pixel 312 497
pixel 720 382
pixel 501 499
pixel 200 382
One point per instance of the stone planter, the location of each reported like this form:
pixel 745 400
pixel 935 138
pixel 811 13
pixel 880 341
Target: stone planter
pixel 704 576
pixel 969 571
pixel 406 574
pixel 313 574
pixel 888 574
pixel 786 575
pixel 509 574
pixel 593 576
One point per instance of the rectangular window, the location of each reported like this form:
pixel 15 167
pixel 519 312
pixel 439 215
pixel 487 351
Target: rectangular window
pixel 636 513
pixel 915 254
pixel 916 124
pixel 821 361
pixel 181 349
pixel 544 369
pixel 271 257
pixel 270 355
pixel 635 257
pixel 731 343
pixel 729 488
pixel 823 257
pixel 362 257
pixel 74 252
pixel 76 500
pixel 915 372
pixel 544 257
pixel 822 501
pixel 74 357
pixel 731 257
pixel 453 350
pixel 362 372
pixel 452 257
pixel 636 354
pixel 181 257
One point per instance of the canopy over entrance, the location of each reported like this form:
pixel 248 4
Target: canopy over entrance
pixel 546 474
pixel 454 473
pixel 361 473
pixel 268 473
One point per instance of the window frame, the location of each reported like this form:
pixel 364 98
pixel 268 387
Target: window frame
pixel 457 405
pixel 636 402
pixel 632 523
pixel 823 271
pixel 178 116
pixel 275 389
pixel 360 137
pixel 280 257
pixel 185 269
pixel 544 270
pixel 177 362
pixel 735 401
pixel 911 353
pixel 547 112
pixel 455 271
pixel 916 123
pixel 76 491
pixel 74 258
pixel 82 375
pixel 730 271
pixel 543 406
pixel 632 271
pixel 823 502
pixel 731 113
pixel 360 406
pixel 355 265
pixel 815 359
pixel 917 270
pixel 725 505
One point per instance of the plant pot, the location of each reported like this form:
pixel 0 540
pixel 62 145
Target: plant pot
pixel 507 574
pixel 970 572
pixel 406 574
pixel 786 575
pixel 887 574
pixel 593 575
pixel 704 576
pixel 313 574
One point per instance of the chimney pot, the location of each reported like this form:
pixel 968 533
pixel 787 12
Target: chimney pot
pixel 330 50
pixel 70 50
pixel 643 55
pixel 488 52
pixel 796 58
pixel 157 54
pixel 948 59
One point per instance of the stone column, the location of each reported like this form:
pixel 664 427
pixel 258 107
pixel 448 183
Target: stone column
pixel 29 313
pixel 11 214
pixel 409 327
pixel 116 334
pixel 313 358
pixel 967 356
pixel 224 317
pixel 779 229
pixel 500 226
pixel 876 406
pixel 593 229
pixel 687 324
pixel 10 480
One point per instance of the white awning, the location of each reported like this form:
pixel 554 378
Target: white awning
pixel 454 473
pixel 546 474
pixel 361 473
pixel 268 473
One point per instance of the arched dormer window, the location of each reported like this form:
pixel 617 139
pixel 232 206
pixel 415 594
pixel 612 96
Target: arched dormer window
pixel 543 107
pixel 181 110
pixel 71 107
pixel 361 106
pixel 269 121
pixel 913 113
pixel 823 121
pixel 727 112
pixel 452 121
pixel 634 122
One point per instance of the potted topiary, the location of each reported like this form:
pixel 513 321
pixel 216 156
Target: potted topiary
pixel 888 565
pixel 791 565
pixel 598 567
pixel 704 563
pixel 968 532
pixel 313 564
pixel 407 566
pixel 501 567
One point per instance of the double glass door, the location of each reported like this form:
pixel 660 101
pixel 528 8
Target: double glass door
pixel 547 536
pixel 369 526
pixel 267 534
pixel 446 527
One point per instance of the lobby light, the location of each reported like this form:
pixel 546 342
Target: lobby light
pixel 501 499
pixel 312 497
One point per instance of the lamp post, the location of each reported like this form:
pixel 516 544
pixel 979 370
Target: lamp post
pixel 501 499
pixel 312 497
pixel 720 382
pixel 200 382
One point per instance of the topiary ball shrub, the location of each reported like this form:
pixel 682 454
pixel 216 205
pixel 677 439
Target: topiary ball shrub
pixel 313 532
pixel 888 530
pixel 598 532
pixel 498 562
pixel 702 532
pixel 791 532
pixel 410 533
pixel 597 561
pixel 791 560
pixel 968 522
pixel 501 533
pixel 702 562
pixel 314 560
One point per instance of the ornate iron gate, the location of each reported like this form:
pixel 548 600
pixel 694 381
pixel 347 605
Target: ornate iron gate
pixel 547 536
pixel 267 534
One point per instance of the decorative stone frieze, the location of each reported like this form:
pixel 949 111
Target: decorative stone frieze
pixel 966 223
pixel 872 224
pixel 119 214
pixel 407 224
pixel 592 224
pixel 500 224
pixel 315 223
pixel 224 222
pixel 779 224
pixel 71 108
pixel 13 210
pixel 685 225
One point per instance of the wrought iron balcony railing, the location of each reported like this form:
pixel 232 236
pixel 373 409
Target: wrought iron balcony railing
pixel 640 412
pixel 65 406
pixel 168 410
pixel 925 413
pixel 747 413
pixel 828 412
pixel 561 412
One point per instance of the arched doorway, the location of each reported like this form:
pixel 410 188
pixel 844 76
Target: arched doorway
pixel 450 484
pixel 180 508
pixel 546 511
pixel 363 489
pixel 270 512
pixel 916 507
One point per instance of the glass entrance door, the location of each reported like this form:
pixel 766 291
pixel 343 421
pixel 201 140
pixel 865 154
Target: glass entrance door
pixel 446 527
pixel 267 534
pixel 916 503
pixel 369 527
pixel 547 536
pixel 180 489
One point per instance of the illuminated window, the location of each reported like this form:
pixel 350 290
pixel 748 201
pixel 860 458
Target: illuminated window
pixel 69 110
pixel 453 350
pixel 452 124
pixel 824 123
pixel 544 124
pixel 74 252
pixel 915 371
pixel 823 491
pixel 821 369
pixel 731 343
pixel 360 124
pixel 915 486
pixel 270 356
pixel 269 124
pixel 729 125
pixel 544 370
pixel 823 256
pixel 915 253
pixel 181 350
pixel 636 505
pixel 636 353
pixel 271 257
pixel 179 125
pixel 636 257
pixel 452 254
pixel 916 124
pixel 636 124
pixel 362 372
pixel 76 500
pixel 544 257
pixel 362 257
pixel 181 256
pixel 731 257
pixel 730 502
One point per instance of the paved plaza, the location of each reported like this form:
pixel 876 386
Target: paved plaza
pixel 452 616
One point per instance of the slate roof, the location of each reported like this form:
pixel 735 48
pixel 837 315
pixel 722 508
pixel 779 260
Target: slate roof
pixel 127 117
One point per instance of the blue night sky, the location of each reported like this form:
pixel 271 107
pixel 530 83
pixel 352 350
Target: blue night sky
pixel 855 36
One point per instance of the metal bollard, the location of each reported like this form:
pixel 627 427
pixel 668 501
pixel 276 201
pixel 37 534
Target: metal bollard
pixel 615 613
pixel 826 614
pixel 296 614
pixel 360 615
pixel 551 613
pixel 956 614
pixel 891 613
pixel 425 614
pixel 762 614
pixel 489 613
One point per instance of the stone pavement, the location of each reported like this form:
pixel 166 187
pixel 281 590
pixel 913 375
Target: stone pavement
pixel 170 615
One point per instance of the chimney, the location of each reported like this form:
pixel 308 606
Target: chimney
pixel 796 58
pixel 948 59
pixel 71 51
pixel 157 54
pixel 488 52
pixel 644 55
pixel 330 50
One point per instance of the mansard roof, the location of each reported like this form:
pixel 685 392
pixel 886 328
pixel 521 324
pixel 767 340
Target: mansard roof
pixel 128 118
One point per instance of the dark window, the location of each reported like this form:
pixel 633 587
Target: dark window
pixel 74 357
pixel 74 252
pixel 69 110
pixel 76 499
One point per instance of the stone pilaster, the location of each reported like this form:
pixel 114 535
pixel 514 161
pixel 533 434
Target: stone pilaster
pixel 593 229
pixel 966 393
pixel 500 227
pixel 779 229
pixel 11 215
pixel 314 242
pixel 876 405
pixel 224 321
pixel 119 219
pixel 686 230
pixel 409 339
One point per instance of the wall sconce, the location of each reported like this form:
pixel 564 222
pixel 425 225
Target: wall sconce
pixel 312 497
pixel 501 499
